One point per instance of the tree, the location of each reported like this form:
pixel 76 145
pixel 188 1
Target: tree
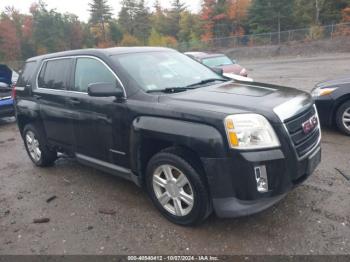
pixel 129 40
pixel 100 14
pixel 115 32
pixel 9 41
pixel 271 16
pixel 238 12
pixel 207 14
pixel 317 12
pixel 142 22
pixel 127 16
pixel 174 17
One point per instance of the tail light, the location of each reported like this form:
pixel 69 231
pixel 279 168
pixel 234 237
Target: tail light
pixel 13 94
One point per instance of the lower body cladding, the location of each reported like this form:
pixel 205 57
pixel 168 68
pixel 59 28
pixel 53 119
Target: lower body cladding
pixel 250 182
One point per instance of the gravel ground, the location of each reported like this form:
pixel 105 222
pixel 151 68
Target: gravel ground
pixel 313 219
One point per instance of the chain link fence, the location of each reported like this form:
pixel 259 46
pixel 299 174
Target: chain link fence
pixel 273 38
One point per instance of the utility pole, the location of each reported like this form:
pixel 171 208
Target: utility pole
pixel 279 28
pixel 317 12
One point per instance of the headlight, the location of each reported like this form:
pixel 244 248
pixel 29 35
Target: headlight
pixel 243 72
pixel 250 131
pixel 317 92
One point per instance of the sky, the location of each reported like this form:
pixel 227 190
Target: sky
pixel 80 7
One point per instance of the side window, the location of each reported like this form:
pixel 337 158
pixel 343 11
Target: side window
pixel 90 71
pixel 54 74
pixel 27 74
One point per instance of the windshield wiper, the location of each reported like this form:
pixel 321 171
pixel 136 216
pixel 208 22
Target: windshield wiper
pixel 170 90
pixel 206 81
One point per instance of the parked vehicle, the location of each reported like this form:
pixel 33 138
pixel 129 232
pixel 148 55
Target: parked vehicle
pixel 7 77
pixel 332 98
pixel 195 140
pixel 228 65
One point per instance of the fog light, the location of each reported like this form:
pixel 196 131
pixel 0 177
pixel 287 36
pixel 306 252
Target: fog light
pixel 261 179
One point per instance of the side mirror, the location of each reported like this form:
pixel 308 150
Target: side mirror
pixel 105 90
pixel 218 70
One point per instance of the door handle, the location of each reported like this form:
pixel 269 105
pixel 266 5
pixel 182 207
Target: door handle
pixel 38 97
pixel 74 101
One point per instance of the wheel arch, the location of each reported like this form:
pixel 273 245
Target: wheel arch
pixel 151 135
pixel 338 103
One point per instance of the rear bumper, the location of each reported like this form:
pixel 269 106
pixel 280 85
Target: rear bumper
pixel 233 184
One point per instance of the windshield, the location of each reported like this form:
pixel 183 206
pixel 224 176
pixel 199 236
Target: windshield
pixel 217 61
pixel 161 70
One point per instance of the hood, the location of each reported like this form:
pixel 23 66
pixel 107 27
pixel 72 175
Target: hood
pixel 237 97
pixel 5 74
pixel 235 69
pixel 334 82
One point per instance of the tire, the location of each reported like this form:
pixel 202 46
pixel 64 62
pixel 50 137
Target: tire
pixel 46 157
pixel 177 205
pixel 343 118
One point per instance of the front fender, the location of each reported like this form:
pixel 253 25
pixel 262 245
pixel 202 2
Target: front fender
pixel 203 139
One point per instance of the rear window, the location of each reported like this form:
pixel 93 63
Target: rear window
pixel 54 74
pixel 27 74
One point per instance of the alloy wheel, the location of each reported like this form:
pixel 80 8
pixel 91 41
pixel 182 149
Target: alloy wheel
pixel 346 119
pixel 173 190
pixel 33 146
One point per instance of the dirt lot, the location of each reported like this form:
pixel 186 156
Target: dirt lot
pixel 313 219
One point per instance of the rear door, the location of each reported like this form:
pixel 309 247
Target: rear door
pixel 51 93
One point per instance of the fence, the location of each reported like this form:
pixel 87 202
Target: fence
pixel 273 38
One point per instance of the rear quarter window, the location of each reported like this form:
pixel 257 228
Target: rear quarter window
pixel 27 74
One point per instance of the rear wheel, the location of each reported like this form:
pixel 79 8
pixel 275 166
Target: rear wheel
pixel 343 118
pixel 36 147
pixel 177 189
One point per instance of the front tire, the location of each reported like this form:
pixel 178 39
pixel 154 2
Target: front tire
pixel 343 118
pixel 177 189
pixel 36 147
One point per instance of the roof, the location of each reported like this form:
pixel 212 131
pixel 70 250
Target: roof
pixel 102 51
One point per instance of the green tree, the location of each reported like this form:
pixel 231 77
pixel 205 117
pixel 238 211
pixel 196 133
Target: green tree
pixel 174 17
pixel 142 22
pixel 100 14
pixel 127 16
pixel 316 12
pixel 271 16
pixel 115 32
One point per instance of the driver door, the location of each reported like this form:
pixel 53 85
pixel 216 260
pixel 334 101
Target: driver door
pixel 97 120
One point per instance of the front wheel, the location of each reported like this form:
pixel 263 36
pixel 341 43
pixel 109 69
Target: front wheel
pixel 343 118
pixel 177 189
pixel 36 148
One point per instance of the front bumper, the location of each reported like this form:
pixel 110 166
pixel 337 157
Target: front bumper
pixel 233 184
pixel 325 107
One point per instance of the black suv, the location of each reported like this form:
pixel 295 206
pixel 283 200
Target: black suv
pixel 194 139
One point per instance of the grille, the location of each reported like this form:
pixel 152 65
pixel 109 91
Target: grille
pixel 302 142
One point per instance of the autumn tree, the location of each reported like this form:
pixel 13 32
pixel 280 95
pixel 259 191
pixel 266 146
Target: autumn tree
pixel 237 13
pixel 207 14
pixel 9 41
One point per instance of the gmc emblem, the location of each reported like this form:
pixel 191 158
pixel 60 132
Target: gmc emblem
pixel 310 124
